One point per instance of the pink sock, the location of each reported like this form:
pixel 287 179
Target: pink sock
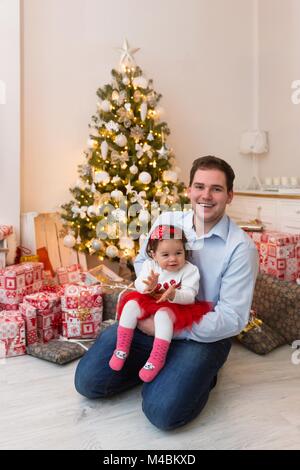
pixel 156 360
pixel 124 338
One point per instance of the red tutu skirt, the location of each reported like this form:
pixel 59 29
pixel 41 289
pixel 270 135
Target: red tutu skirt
pixel 185 315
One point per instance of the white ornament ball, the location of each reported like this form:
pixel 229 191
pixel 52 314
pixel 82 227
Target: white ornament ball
pixel 170 176
pixel 140 82
pixel 144 216
pixel 69 241
pixel 133 169
pixel 121 140
pixel 105 106
pixel 111 251
pixel 126 243
pixel 97 245
pixel 145 177
pixel 92 144
pixel 126 81
pixel 119 215
pixel 116 194
pixel 101 177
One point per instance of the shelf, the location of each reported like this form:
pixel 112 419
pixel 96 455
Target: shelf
pixel 267 194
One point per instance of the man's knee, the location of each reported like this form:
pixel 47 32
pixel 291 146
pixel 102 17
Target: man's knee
pixel 86 385
pixel 163 414
pixel 172 411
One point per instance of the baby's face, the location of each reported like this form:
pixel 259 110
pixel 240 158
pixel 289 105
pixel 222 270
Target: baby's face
pixel 170 255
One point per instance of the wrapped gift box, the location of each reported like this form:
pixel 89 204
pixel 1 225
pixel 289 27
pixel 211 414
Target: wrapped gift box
pixel 43 300
pixel 73 326
pixel 18 280
pixel 12 334
pixel 48 327
pixel 82 311
pixel 42 315
pixel 279 254
pixel 69 274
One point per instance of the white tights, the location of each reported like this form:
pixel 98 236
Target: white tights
pixel 163 319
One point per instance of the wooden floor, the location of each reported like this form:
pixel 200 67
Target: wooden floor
pixel 255 405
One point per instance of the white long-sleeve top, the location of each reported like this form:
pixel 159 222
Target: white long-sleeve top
pixel 186 279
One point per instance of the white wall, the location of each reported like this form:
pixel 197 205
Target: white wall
pixel 199 53
pixel 279 62
pixel 10 113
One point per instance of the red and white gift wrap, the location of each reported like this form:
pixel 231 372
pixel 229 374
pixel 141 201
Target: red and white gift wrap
pixel 279 254
pixel 43 300
pixel 48 325
pixel 69 274
pixel 28 313
pixel 12 334
pixel 18 280
pixel 82 311
pixel 42 314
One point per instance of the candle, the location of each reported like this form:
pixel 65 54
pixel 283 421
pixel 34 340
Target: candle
pixel 294 180
pixel 268 180
pixel 284 180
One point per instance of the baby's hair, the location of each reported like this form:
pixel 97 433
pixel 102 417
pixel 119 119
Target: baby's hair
pixel 165 232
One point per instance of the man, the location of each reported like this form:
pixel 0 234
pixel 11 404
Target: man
pixel 228 262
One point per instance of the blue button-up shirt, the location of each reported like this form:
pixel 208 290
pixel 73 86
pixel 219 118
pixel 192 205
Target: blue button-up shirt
pixel 227 260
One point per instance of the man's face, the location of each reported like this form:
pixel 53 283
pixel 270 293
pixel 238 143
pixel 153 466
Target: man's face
pixel 209 192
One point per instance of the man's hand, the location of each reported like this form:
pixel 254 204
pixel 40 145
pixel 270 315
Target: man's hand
pixel 147 326
pixel 169 294
pixel 151 282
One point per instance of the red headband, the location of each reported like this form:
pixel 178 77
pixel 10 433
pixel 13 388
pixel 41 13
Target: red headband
pixel 162 232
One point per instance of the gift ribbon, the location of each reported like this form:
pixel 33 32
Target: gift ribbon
pixel 83 313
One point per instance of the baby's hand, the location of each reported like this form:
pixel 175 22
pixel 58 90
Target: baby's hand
pixel 169 294
pixel 151 282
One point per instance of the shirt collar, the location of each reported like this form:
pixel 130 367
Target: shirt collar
pixel 220 229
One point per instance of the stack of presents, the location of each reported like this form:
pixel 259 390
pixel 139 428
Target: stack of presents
pixel 279 254
pixel 33 310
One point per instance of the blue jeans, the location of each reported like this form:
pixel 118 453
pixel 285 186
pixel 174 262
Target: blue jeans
pixel 179 392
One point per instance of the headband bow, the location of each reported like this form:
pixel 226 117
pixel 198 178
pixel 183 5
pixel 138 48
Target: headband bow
pixel 162 232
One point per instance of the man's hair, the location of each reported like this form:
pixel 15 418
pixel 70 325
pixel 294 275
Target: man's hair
pixel 210 162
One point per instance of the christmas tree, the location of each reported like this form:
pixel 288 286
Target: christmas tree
pixel 129 175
